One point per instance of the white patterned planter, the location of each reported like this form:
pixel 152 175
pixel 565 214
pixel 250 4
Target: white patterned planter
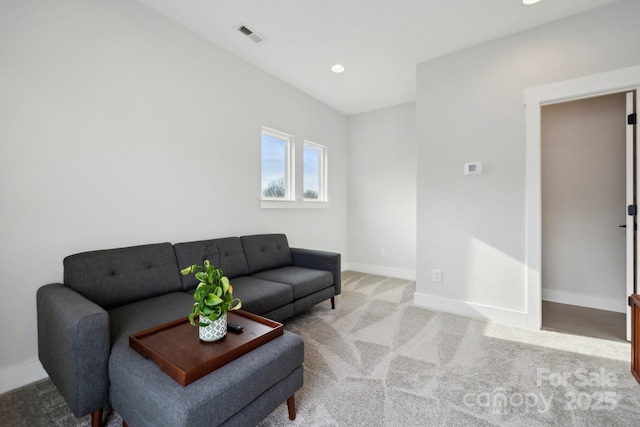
pixel 215 330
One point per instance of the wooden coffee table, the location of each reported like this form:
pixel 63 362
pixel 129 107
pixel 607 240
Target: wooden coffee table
pixel 176 348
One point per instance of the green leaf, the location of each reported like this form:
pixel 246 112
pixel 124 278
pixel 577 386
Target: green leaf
pixel 213 299
pixel 237 304
pixel 192 316
pixel 224 281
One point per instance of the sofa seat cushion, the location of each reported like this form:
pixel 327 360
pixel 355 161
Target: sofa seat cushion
pixel 260 296
pixel 304 281
pixel 146 396
pixel 131 318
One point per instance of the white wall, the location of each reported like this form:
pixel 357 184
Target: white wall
pixel 470 108
pixel 583 202
pixel 382 191
pixel 117 128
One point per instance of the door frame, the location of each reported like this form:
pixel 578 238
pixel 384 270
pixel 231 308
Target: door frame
pixel 631 199
pixel 622 80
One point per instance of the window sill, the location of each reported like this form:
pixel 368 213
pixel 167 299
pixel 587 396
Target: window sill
pixel 292 204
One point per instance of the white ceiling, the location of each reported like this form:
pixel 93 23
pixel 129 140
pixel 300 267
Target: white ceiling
pixel 379 41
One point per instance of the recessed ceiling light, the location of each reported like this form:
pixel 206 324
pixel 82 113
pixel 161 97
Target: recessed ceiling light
pixel 529 2
pixel 338 68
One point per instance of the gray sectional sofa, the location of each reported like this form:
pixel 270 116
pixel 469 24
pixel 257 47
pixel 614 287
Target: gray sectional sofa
pixel 84 325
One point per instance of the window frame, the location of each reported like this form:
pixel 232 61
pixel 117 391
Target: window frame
pixel 289 178
pixel 322 171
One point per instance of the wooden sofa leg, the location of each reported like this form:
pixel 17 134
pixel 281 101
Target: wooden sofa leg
pixel 124 424
pixel 96 418
pixel 333 302
pixel 291 404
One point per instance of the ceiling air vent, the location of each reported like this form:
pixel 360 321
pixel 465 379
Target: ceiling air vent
pixel 253 35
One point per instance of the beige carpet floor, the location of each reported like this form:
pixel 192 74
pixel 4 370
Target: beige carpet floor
pixel 377 360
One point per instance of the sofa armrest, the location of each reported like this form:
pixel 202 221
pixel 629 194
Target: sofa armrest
pixel 74 346
pixel 320 260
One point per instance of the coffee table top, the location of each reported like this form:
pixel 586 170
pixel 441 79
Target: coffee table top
pixel 176 348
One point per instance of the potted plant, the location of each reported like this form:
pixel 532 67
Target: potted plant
pixel 214 298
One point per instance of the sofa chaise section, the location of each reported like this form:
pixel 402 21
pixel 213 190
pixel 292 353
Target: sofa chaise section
pixel 74 342
pixel 240 393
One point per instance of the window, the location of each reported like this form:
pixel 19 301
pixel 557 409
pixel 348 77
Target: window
pixel 314 172
pixel 292 177
pixel 277 167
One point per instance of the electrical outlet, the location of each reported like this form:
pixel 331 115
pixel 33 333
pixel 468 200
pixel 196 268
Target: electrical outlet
pixel 381 253
pixel 437 276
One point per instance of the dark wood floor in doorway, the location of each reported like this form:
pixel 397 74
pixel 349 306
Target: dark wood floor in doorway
pixel 589 322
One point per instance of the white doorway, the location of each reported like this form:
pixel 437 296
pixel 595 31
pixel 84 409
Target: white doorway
pixel 584 215
pixel 606 83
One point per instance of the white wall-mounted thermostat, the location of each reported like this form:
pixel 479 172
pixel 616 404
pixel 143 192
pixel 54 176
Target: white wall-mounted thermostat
pixel 473 168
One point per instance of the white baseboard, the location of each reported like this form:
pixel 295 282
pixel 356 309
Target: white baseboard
pixel 16 376
pixel 399 273
pixel 563 297
pixel 473 310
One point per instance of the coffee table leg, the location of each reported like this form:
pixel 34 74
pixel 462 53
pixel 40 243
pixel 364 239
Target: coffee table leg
pixel 291 404
pixel 96 418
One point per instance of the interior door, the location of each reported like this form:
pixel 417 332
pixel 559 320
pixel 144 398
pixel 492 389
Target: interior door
pixel 632 203
pixel 634 303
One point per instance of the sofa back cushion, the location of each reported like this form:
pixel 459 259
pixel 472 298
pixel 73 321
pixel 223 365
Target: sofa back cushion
pixel 266 251
pixel 225 253
pixel 114 277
